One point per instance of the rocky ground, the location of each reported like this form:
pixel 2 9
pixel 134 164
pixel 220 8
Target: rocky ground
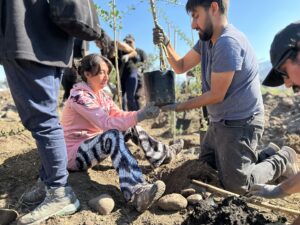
pixel 19 170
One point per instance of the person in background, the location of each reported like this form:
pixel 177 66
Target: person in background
pixel 285 59
pixel 132 77
pixel 70 75
pixel 231 92
pixel 125 53
pixel 93 127
pixel 33 53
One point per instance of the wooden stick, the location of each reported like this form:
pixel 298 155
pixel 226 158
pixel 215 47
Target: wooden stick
pixel 248 200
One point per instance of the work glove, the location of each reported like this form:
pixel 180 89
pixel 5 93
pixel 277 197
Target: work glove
pixel 125 58
pixel 170 107
pixel 267 191
pixel 148 112
pixel 159 36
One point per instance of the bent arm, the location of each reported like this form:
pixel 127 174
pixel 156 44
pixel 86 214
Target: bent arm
pixel 181 65
pixel 126 48
pixel 220 83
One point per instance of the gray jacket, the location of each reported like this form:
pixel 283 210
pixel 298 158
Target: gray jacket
pixel 26 32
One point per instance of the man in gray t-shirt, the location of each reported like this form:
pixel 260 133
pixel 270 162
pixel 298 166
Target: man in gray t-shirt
pixel 231 92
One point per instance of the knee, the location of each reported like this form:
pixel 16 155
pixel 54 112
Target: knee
pixel 235 185
pixel 113 134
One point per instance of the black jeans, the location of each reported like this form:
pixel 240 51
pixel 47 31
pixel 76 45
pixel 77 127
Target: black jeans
pixel 230 147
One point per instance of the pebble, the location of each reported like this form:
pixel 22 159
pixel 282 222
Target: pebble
pixel 187 192
pixel 194 199
pixel 172 202
pixel 102 204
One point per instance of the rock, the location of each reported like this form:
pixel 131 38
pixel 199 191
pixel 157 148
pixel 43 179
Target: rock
pixel 288 102
pixel 194 199
pixel 188 191
pixel 172 202
pixel 102 204
pixel 11 116
pixel 8 216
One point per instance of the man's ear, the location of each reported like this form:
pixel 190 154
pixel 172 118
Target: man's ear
pixel 214 7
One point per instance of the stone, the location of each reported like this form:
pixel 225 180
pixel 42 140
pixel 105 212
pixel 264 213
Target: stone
pixel 194 199
pixel 7 216
pixel 172 202
pixel 102 204
pixel 187 192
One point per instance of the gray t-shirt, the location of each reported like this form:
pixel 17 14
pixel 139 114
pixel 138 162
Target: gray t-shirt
pixel 232 52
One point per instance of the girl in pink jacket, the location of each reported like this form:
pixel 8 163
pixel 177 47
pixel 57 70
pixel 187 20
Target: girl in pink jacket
pixel 93 127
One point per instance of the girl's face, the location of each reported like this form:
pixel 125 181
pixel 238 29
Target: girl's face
pixel 98 81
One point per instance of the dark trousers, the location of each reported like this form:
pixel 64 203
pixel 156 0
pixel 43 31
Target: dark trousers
pixel 70 77
pixel 230 148
pixel 34 88
pixel 129 83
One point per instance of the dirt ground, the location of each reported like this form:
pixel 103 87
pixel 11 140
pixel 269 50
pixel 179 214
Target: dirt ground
pixel 19 165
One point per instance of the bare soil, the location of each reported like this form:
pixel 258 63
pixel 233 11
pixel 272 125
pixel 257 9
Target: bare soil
pixel 19 163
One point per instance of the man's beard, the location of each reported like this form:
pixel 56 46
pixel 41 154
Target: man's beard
pixel 207 33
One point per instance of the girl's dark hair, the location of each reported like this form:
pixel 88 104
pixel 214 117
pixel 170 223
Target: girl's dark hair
pixel 192 4
pixel 91 63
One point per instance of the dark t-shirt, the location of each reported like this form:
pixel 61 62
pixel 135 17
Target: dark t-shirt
pixel 79 46
pixel 27 32
pixel 132 63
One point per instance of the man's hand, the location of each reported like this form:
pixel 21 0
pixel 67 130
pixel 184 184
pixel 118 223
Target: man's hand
pixel 148 112
pixel 125 58
pixel 170 107
pixel 159 36
pixel 267 191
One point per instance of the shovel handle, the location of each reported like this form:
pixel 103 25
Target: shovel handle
pixel 251 201
pixel 161 56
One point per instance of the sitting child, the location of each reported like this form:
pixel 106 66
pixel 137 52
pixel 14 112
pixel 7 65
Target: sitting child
pixel 93 128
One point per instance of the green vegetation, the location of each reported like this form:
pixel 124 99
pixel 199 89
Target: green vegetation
pixel 277 90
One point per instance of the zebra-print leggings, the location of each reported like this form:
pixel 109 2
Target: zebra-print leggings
pixel 111 143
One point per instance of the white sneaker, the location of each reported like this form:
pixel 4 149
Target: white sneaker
pixel 58 202
pixel 36 195
pixel 147 194
pixel 292 164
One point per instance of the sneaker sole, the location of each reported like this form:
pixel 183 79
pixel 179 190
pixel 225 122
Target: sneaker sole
pixel 273 146
pixel 158 190
pixel 294 162
pixel 67 210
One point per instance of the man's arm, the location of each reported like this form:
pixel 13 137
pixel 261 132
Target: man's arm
pixel 288 187
pixel 181 65
pixel 220 83
pixel 126 48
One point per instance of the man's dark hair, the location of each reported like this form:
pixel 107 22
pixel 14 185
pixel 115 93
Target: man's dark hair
pixel 192 4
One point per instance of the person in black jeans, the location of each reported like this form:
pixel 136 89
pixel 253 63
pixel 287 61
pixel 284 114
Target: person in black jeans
pixel 128 77
pixel 70 75
pixel 132 77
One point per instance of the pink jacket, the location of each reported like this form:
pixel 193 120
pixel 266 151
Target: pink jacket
pixel 87 114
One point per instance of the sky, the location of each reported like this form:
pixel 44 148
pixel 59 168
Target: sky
pixel 260 20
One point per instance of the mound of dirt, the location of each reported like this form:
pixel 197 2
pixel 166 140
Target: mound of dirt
pixel 231 211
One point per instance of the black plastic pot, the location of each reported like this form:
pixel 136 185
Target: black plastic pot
pixel 160 87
